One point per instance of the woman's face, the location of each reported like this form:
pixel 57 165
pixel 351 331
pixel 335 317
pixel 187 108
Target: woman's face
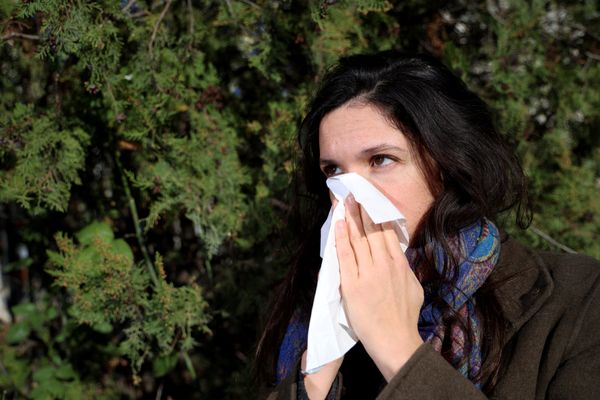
pixel 356 137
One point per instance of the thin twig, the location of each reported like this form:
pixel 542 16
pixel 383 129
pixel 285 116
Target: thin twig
pixel 136 223
pixel 139 14
pixel 229 7
pixel 159 391
pixel 250 3
pixel 593 56
pixel 128 6
pixel 280 204
pixel 4 292
pixel 550 240
pixel 157 24
pixel 112 96
pixel 20 35
pixel 586 31
pixel 191 12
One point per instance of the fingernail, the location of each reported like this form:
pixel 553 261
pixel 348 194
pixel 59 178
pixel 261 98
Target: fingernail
pixel 350 200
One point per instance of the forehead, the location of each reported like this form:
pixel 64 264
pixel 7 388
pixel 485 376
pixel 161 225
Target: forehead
pixel 357 125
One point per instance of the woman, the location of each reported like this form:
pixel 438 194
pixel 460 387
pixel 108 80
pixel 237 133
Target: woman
pixel 467 312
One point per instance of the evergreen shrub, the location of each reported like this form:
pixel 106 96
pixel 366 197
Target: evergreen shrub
pixel 147 152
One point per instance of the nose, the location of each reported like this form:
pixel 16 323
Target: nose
pixel 357 169
pixel 365 174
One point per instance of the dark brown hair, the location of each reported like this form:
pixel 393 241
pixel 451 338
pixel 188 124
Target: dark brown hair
pixel 472 171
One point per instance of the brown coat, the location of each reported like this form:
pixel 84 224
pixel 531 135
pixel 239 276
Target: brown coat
pixel 553 309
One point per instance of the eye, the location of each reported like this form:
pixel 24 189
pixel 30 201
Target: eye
pixel 331 170
pixel 381 160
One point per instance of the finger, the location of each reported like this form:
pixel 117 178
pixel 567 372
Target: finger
pixel 303 361
pixel 358 238
pixel 400 263
pixel 345 254
pixel 375 237
pixel 392 242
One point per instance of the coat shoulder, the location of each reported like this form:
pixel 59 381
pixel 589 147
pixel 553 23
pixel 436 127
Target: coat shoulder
pixel 572 272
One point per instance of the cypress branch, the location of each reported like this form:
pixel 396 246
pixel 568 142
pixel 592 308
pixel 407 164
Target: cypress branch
pixel 136 222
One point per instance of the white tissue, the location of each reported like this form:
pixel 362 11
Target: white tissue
pixel 329 333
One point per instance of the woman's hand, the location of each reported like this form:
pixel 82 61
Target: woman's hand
pixel 317 385
pixel 382 296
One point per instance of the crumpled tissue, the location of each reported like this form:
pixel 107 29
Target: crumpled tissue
pixel 329 333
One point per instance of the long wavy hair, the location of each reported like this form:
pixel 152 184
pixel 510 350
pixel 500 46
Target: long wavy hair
pixel 471 170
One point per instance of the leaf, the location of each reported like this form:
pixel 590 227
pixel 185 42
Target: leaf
pixel 189 365
pixel 164 364
pixel 121 247
pixel 24 310
pixel 48 387
pixel 44 374
pixel 65 372
pixel 89 256
pixel 17 333
pixel 51 313
pixel 95 230
pixel 103 327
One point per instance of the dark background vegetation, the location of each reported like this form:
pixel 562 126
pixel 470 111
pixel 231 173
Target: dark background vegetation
pixel 146 155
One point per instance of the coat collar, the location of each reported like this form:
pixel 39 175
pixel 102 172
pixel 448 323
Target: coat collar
pixel 524 282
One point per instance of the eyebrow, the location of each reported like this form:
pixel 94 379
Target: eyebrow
pixel 382 147
pixel 370 151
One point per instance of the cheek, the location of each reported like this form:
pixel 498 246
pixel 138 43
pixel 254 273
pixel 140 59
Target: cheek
pixel 418 212
pixel 413 199
pixel 418 208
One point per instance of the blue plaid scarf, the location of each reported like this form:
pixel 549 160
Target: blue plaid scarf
pixel 476 249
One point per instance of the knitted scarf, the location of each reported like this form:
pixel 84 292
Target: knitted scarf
pixel 476 249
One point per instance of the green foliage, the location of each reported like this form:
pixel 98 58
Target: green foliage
pixel 107 289
pixel 142 128
pixel 50 376
pixel 29 320
pixel 341 31
pixel 86 30
pixel 532 64
pixel 43 160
